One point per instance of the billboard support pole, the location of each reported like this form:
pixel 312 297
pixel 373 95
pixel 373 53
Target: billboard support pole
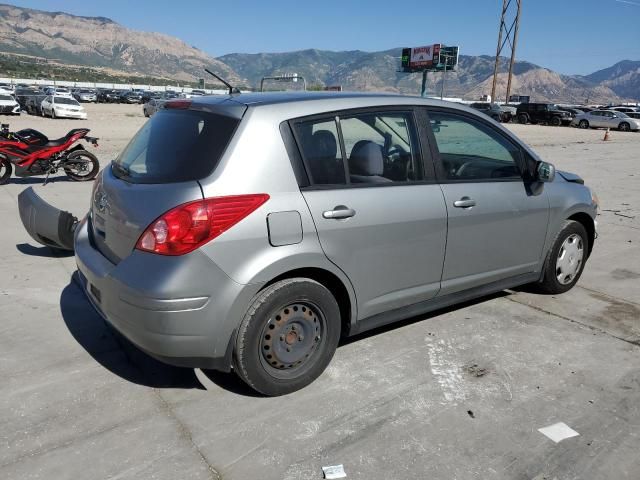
pixel 423 92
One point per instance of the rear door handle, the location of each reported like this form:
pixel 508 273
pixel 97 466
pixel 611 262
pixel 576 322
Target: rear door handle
pixel 464 202
pixel 339 212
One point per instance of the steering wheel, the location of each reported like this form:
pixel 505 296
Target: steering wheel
pixel 462 168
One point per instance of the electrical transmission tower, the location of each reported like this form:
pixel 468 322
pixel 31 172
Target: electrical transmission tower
pixel 509 24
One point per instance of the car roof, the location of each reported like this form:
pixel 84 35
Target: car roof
pixel 323 100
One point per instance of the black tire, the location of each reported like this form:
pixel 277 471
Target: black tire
pixel 550 283
pixel 506 117
pixel 624 127
pixel 81 166
pixel 584 124
pixel 6 169
pixel 555 121
pixel 53 114
pixel 287 337
pixel 523 119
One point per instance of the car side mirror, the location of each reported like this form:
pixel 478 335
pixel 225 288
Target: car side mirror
pixel 546 172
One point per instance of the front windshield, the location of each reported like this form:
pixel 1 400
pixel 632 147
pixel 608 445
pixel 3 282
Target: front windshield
pixel 65 101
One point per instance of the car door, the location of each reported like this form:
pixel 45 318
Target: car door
pixel 597 119
pixel 46 104
pixel 497 223
pixel 610 120
pixel 380 216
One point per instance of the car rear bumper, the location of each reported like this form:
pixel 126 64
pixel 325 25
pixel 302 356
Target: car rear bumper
pixel 181 310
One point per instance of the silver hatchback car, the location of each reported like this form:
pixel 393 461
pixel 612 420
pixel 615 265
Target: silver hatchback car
pixel 251 232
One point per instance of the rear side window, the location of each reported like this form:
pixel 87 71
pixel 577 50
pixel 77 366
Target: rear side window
pixel 368 148
pixel 175 146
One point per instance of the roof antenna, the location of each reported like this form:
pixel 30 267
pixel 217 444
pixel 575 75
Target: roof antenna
pixel 232 89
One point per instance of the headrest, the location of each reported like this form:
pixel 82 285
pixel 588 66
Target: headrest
pixel 366 159
pixel 324 144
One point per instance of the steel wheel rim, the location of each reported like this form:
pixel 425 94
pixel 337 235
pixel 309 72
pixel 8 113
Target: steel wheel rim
pixel 291 337
pixel 569 259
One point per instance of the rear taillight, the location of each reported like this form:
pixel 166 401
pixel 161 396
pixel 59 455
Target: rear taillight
pixel 190 225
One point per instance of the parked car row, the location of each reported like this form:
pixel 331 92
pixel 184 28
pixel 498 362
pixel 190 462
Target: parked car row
pixel 621 117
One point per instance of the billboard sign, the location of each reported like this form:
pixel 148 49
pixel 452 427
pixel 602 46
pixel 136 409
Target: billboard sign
pixel 418 58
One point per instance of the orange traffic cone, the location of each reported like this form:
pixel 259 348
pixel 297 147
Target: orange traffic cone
pixel 606 136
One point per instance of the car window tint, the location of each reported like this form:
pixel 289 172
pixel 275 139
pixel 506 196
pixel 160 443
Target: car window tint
pixel 381 148
pixel 175 146
pixel 320 149
pixel 471 150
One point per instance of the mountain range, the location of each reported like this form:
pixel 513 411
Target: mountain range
pixel 101 42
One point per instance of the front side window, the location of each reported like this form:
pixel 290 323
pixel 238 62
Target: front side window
pixel 376 148
pixel 473 151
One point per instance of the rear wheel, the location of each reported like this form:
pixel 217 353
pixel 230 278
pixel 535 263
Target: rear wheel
pixel 522 118
pixel 624 127
pixel 287 337
pixel 555 121
pixel 81 166
pixel 565 261
pixel 583 124
pixel 5 170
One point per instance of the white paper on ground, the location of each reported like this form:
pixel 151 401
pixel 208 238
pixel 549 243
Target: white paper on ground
pixel 558 432
pixel 334 471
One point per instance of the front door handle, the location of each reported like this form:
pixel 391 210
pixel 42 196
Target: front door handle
pixel 339 212
pixel 464 202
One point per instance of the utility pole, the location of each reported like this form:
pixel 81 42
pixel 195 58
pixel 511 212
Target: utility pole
pixel 511 10
pixel 444 77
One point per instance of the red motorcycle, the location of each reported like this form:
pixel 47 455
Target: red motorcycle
pixel 32 153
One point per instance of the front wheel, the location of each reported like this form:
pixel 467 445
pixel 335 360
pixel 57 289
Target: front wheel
pixel 5 170
pixel 287 337
pixel 584 124
pixel 523 119
pixel 81 166
pixel 565 261
pixel 555 121
pixel 624 127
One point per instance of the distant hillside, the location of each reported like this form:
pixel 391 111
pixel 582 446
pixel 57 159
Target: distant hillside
pixel 623 78
pixel 97 41
pixel 358 70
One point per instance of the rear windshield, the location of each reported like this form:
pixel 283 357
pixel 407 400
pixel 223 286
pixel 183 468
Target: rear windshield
pixel 175 146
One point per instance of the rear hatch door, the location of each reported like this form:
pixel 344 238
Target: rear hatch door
pixel 157 171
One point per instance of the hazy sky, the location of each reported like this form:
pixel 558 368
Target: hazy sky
pixel 568 36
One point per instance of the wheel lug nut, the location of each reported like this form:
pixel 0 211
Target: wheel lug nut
pixel 293 327
pixel 282 338
pixel 317 338
pixel 288 349
pixel 300 338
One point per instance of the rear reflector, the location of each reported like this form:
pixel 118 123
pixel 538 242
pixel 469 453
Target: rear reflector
pixel 190 225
